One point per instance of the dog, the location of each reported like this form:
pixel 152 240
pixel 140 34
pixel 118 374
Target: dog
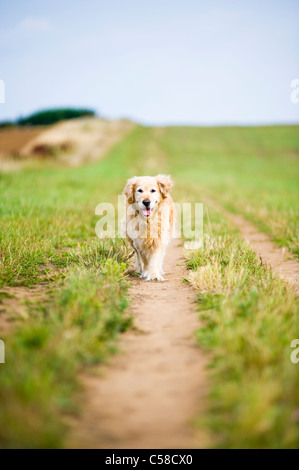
pixel 149 224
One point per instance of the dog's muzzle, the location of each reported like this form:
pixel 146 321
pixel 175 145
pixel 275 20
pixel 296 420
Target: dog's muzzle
pixel 147 208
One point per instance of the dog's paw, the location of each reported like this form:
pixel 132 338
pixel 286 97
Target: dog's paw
pixel 155 277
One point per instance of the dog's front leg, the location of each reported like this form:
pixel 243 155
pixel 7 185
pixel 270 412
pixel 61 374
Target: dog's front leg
pixel 163 252
pixel 145 262
pixel 138 263
pixel 154 268
pixel 138 260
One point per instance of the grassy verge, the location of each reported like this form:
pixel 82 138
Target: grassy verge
pixel 78 326
pixel 249 319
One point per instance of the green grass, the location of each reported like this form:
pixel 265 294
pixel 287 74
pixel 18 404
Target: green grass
pixel 46 211
pixel 251 170
pixel 250 317
pixel 48 236
pixel 76 327
pixel 249 320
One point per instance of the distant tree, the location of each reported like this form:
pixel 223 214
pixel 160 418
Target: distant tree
pixel 51 116
pixel 6 124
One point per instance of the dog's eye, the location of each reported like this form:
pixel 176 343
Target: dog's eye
pixel 153 190
pixel 140 190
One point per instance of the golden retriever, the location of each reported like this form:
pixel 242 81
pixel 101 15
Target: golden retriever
pixel 149 222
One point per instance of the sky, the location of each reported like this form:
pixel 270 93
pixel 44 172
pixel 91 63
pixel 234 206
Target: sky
pixel 156 62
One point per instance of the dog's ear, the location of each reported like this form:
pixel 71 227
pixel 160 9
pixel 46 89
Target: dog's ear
pixel 129 190
pixel 165 184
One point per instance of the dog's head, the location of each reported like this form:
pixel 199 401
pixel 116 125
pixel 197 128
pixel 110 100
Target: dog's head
pixel 147 192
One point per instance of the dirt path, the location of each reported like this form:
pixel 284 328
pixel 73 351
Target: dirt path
pixel 148 394
pixel 282 262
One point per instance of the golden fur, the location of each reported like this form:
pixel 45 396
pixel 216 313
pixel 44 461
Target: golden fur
pixel 150 219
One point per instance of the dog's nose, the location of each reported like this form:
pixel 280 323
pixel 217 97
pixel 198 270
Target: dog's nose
pixel 146 202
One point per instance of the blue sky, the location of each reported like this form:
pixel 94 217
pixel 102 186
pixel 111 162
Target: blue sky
pixel 157 62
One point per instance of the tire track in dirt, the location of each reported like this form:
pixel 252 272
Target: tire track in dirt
pixel 281 261
pixel 148 395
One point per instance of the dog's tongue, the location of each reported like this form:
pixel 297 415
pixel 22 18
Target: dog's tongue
pixel 146 212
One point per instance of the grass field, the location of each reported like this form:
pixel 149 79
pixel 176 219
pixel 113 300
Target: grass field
pixel 250 317
pixel 253 171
